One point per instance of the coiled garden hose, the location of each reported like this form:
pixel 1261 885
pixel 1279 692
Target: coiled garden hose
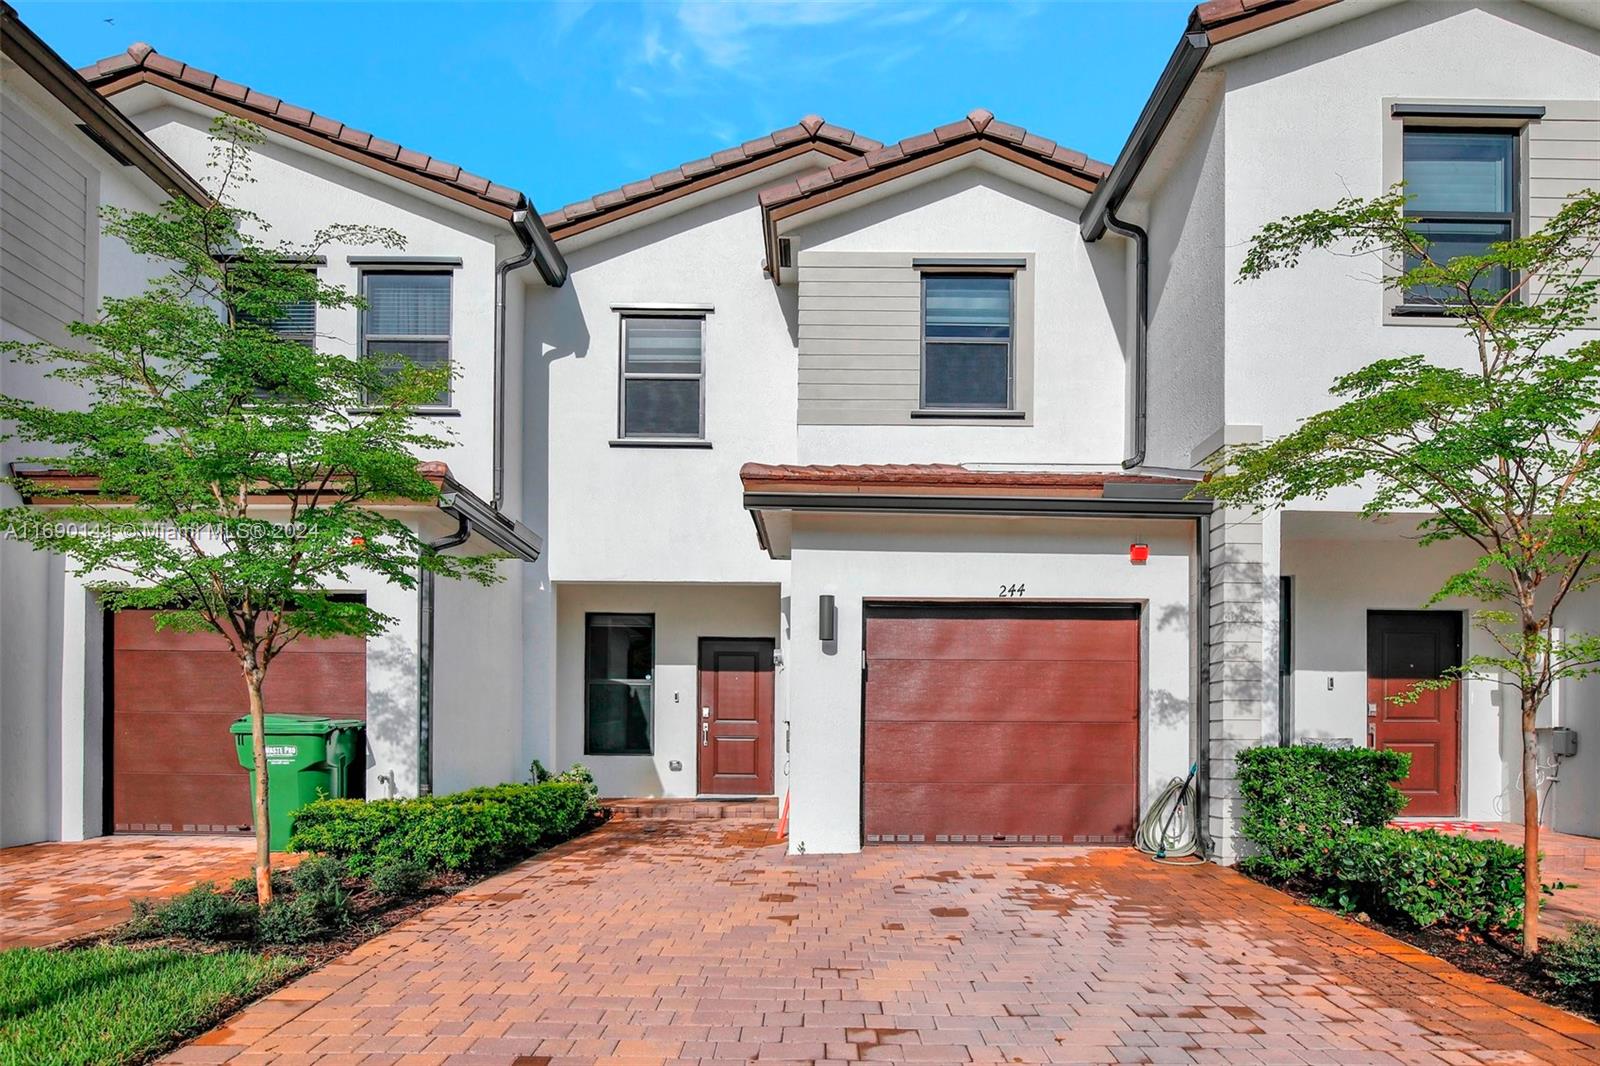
pixel 1171 829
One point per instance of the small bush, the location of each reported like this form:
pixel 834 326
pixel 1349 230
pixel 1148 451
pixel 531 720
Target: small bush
pixel 1422 878
pixel 202 913
pixel 1298 801
pixel 245 887
pixel 399 877
pixel 317 874
pixel 1574 960
pixel 315 915
pixel 478 829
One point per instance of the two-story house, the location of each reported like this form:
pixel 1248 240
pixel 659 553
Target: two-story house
pixel 864 468
pixel 106 723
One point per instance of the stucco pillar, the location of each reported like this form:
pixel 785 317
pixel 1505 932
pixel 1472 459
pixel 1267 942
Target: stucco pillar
pixel 1240 650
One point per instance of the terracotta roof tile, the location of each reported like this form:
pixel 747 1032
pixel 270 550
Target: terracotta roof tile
pixel 935 475
pixel 979 125
pixel 809 129
pixel 1217 12
pixel 140 58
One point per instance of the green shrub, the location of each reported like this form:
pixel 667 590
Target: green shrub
pixel 317 874
pixel 1574 960
pixel 245 887
pixel 1298 801
pixel 1422 878
pixel 577 773
pixel 202 913
pixel 318 914
pixel 478 829
pixel 399 877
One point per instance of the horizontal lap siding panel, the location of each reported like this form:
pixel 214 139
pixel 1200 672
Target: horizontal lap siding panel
pixel 1563 157
pixel 823 291
pixel 865 350
pixel 818 318
pixel 1085 813
pixel 1003 690
pixel 1079 639
pixel 905 376
pixel 848 331
pixel 45 228
pixel 999 753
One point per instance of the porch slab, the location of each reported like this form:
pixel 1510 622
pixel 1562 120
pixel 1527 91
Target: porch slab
pixel 759 809
pixel 653 941
pixel 59 891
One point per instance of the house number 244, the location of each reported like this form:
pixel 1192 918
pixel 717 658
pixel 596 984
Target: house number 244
pixel 1013 590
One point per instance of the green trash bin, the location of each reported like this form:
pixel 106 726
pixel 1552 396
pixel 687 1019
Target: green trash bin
pixel 308 758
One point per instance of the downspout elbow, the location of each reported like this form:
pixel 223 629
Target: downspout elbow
pixel 1140 397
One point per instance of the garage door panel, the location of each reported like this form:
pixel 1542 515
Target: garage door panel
pixel 1032 690
pixel 1076 814
pixel 173 697
pixel 1003 638
pixel 1001 752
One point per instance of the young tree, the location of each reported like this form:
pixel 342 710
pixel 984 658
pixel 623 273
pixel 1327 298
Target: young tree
pixel 237 473
pixel 1497 451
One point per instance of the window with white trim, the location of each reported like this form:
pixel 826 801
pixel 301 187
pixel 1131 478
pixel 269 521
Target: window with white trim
pixel 968 325
pixel 662 394
pixel 407 320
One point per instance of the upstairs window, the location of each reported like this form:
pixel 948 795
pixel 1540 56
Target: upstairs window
pixel 619 677
pixel 967 328
pixel 663 377
pixel 1463 191
pixel 407 320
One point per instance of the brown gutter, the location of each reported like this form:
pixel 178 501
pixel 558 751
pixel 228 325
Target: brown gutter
pixel 112 130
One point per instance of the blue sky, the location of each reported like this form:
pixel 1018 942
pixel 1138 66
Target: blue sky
pixel 562 100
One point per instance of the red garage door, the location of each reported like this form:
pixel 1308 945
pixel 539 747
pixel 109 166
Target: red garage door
pixel 991 723
pixel 173 696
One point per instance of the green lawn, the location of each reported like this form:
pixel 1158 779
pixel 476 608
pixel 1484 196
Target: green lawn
pixel 108 1005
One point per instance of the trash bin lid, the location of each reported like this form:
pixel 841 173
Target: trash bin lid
pixel 297 725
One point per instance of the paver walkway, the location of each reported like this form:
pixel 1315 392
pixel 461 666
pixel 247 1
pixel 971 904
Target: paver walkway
pixel 58 891
pixel 678 941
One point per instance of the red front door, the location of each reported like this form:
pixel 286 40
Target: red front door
pixel 1404 647
pixel 735 725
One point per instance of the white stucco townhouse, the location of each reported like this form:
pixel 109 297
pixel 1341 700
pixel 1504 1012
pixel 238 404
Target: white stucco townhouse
pixel 863 468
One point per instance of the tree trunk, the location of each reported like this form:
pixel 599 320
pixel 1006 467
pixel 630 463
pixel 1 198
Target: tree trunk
pixel 258 741
pixel 1530 828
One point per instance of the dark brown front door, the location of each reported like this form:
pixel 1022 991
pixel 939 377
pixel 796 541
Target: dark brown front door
pixel 735 725
pixel 174 768
pixel 998 723
pixel 1404 647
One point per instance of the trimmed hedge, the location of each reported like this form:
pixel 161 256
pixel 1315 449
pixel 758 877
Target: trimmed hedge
pixel 479 829
pixel 1423 877
pixel 1319 819
pixel 1298 801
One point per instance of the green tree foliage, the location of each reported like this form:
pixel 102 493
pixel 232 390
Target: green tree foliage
pixel 237 473
pixel 1495 450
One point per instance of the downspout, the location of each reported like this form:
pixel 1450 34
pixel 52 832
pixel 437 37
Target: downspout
pixel 1202 670
pixel 519 226
pixel 1141 334
pixel 425 601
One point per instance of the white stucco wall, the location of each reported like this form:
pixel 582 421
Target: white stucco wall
pixel 298 190
pixel 683 614
pixel 1305 124
pixel 1077 409
pixel 857 558
pixel 477 681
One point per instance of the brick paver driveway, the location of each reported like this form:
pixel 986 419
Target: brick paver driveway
pixel 58 891
pixel 669 941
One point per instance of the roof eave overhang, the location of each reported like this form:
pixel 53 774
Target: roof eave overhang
pixel 1133 500
pixel 1187 60
pixel 507 534
pixel 773 216
pixel 40 62
pixel 578 227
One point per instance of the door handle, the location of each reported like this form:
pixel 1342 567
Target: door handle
pixel 1372 735
pixel 705 734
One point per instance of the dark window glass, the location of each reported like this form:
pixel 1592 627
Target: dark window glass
pixel 1462 186
pixel 407 320
pixel 619 698
pixel 966 341
pixel 663 371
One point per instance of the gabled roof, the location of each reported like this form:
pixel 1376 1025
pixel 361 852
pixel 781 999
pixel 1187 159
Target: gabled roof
pixel 810 134
pixel 103 123
pixel 142 64
pixel 978 131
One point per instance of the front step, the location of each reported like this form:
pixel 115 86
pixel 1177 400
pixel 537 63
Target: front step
pixel 758 809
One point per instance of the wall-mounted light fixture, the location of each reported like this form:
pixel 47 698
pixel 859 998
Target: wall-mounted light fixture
pixel 827 618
